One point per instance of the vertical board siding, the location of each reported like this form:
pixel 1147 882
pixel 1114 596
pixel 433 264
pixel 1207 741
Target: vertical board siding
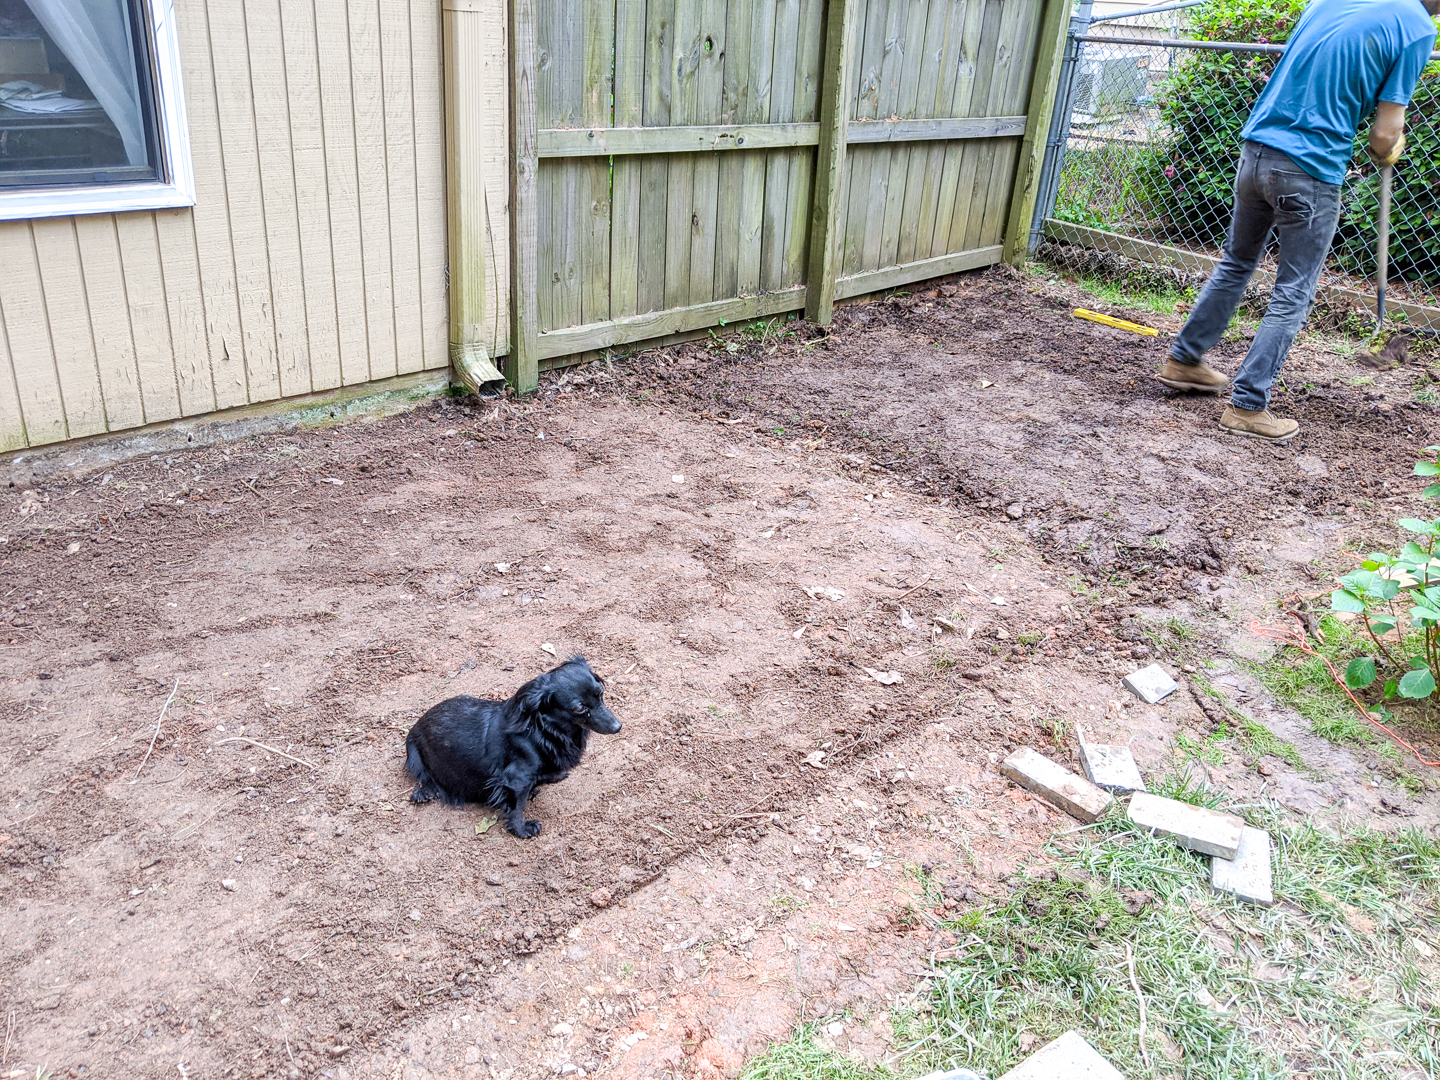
pixel 313 258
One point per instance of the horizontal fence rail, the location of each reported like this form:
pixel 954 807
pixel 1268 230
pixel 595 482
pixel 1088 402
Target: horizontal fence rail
pixel 1146 139
pixel 606 142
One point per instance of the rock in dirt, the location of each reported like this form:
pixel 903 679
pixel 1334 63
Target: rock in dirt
pixel 824 592
pixel 1206 831
pixel 1077 796
pixel 1069 1056
pixel 1248 874
pixel 493 879
pixel 1150 684
pixel 228 884
pixel 601 898
pixel 1015 511
pixel 885 678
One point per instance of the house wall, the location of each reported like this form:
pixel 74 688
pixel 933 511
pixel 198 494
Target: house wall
pixel 313 258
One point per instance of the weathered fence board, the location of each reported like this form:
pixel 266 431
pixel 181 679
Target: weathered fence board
pixel 677 145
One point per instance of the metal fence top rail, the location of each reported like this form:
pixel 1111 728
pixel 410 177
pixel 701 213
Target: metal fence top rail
pixel 1156 10
pixel 1190 43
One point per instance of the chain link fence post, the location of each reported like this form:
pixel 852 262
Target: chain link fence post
pixel 1059 124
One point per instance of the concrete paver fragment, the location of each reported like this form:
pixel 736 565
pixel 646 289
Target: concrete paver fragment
pixel 1109 766
pixel 1206 831
pixel 1069 1057
pixel 1077 796
pixel 1149 684
pixel 1248 874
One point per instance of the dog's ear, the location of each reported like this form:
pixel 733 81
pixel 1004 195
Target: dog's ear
pixel 538 695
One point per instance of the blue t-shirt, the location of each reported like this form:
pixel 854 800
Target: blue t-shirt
pixel 1342 57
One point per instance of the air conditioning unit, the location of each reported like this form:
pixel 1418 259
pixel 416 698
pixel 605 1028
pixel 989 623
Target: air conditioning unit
pixel 1109 85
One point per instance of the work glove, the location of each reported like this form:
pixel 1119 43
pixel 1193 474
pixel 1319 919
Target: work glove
pixel 1392 157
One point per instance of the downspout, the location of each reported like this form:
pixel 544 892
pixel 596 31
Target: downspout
pixel 470 241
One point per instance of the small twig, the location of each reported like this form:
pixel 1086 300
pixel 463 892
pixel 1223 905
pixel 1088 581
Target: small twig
pixel 159 720
pixel 9 1030
pixel 1135 984
pixel 264 746
pixel 917 588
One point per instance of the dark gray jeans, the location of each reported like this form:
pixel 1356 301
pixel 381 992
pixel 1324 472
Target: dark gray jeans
pixel 1271 191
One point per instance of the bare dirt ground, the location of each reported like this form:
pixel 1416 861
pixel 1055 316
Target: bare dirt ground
pixel 258 897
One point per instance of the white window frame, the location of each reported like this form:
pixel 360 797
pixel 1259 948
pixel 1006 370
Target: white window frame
pixel 177 189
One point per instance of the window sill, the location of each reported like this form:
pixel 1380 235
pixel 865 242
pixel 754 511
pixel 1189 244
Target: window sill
pixel 95 199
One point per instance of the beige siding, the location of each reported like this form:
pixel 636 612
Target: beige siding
pixel 315 254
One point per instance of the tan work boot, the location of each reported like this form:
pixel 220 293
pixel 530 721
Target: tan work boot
pixel 1258 424
pixel 1201 377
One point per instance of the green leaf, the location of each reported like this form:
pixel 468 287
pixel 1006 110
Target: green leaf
pixel 1417 684
pixel 1424 615
pixel 1360 673
pixel 1390 688
pixel 1415 525
pixel 1341 600
pixel 1381 624
pixel 1431 492
pixel 1427 468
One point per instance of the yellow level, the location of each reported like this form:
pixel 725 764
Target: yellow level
pixel 1118 324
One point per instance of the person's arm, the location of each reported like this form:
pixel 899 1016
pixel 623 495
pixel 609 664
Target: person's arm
pixel 1387 133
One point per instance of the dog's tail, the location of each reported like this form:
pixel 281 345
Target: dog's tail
pixel 425 786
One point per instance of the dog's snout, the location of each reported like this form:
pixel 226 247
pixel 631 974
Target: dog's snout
pixel 604 721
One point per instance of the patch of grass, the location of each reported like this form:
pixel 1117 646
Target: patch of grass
pixel 784 903
pixel 1259 741
pixel 1028 638
pixel 1255 739
pixel 1182 787
pixel 1180 628
pixel 803 1057
pixel 1335 981
pixel 1155 299
pixel 1304 683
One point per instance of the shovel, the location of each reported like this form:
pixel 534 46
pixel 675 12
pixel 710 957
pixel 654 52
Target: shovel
pixel 1386 350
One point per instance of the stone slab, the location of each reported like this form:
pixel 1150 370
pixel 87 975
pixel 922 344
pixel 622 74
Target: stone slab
pixel 1069 1057
pixel 1149 684
pixel 1248 874
pixel 1206 831
pixel 1074 794
pixel 1109 766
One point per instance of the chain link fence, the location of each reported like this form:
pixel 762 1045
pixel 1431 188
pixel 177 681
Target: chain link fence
pixel 1153 140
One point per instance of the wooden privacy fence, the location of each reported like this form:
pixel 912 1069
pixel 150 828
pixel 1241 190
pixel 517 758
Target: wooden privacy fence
pixel 678 164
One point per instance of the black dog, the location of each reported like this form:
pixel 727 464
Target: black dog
pixel 498 752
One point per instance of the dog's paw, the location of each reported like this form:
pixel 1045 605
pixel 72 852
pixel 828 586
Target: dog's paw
pixel 421 795
pixel 528 829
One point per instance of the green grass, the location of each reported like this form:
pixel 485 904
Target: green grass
pixel 1305 684
pixel 1158 301
pixel 1254 738
pixel 1330 982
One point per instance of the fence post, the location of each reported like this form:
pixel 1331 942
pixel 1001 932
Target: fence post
pixel 1043 82
pixel 1059 124
pixel 523 366
pixel 829 162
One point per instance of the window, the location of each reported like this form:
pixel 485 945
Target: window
pixel 91 114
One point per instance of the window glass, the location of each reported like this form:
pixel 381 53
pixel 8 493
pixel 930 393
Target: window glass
pixel 76 94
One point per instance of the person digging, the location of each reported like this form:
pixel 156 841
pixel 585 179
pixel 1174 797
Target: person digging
pixel 1345 59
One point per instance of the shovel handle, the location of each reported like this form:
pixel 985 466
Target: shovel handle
pixel 1382 244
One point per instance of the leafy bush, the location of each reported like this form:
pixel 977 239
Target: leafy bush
pixel 1388 589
